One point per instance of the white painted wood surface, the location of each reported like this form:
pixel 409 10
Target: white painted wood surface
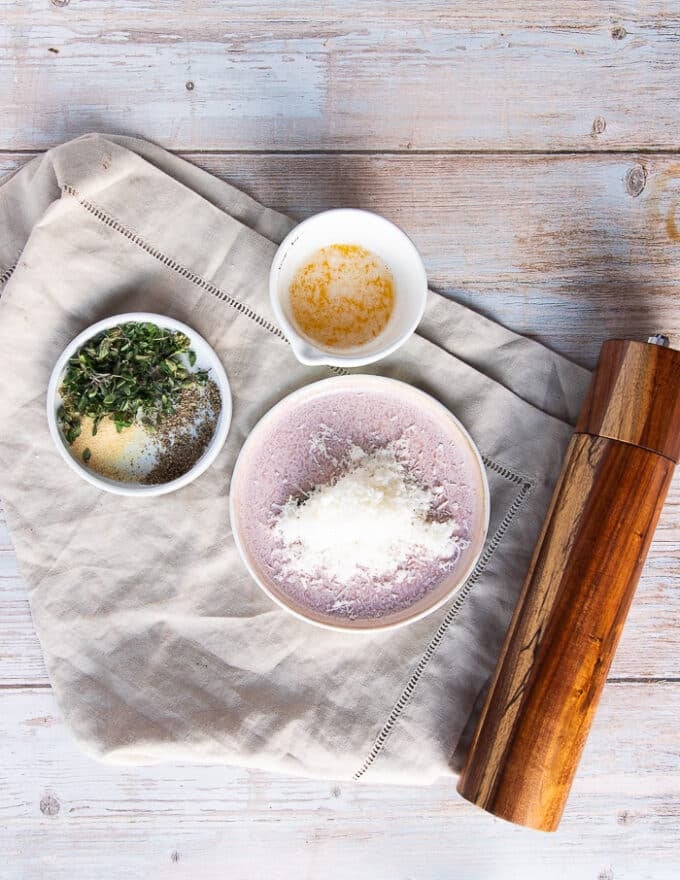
pixel 343 74
pixel 569 249
pixel 453 120
pixel 65 816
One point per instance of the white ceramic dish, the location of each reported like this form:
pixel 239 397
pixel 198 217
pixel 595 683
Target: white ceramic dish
pixel 371 231
pixel 206 359
pixel 249 472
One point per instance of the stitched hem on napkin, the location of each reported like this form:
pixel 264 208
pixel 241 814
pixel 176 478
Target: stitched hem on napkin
pixel 525 490
pixel 526 485
pixel 6 275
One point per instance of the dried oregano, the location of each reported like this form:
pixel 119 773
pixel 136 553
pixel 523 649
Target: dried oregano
pixel 133 371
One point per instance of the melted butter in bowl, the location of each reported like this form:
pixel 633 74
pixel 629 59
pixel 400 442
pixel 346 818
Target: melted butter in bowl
pixel 347 288
pixel 342 297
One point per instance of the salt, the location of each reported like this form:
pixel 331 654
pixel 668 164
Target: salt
pixel 368 523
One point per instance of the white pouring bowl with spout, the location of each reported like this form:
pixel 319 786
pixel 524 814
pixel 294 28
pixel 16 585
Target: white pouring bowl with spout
pixel 375 234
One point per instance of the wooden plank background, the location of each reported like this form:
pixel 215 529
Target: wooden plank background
pixel 69 817
pixel 382 75
pixel 570 249
pixel 531 150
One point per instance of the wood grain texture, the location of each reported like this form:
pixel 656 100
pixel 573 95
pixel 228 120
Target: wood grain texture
pixel 571 250
pixel 565 630
pixel 635 397
pixel 343 74
pixel 64 816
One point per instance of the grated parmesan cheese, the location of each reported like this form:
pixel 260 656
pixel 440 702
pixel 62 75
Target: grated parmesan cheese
pixel 369 523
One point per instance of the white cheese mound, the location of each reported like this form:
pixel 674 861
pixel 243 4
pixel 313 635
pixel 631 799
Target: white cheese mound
pixel 371 521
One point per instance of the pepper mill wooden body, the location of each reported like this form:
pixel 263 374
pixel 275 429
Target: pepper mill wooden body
pixel 579 587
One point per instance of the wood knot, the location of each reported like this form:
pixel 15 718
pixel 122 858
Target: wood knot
pixel 60 3
pixel 619 32
pixel 599 125
pixel 336 791
pixel 174 856
pixel 53 50
pixel 49 805
pixel 189 86
pixel 606 874
pixel 636 179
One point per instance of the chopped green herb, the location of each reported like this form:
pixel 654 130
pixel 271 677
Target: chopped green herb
pixel 134 371
pixel 87 455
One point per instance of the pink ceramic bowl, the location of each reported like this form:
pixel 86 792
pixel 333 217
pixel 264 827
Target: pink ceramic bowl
pixel 275 462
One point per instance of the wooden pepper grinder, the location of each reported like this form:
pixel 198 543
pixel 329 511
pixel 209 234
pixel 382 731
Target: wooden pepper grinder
pixel 579 587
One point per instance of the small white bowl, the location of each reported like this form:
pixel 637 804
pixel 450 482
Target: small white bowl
pixel 376 234
pixel 206 359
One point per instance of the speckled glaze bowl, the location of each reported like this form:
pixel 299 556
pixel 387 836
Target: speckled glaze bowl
pixel 275 462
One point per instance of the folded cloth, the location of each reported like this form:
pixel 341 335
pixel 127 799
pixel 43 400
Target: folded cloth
pixel 158 644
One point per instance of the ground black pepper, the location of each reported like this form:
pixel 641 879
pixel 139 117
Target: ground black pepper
pixel 183 436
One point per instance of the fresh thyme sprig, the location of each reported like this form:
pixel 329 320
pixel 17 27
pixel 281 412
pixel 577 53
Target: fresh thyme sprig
pixel 133 371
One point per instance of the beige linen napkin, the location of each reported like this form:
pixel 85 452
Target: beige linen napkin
pixel 158 644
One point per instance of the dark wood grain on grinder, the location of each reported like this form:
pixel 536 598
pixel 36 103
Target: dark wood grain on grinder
pixel 565 630
pixel 628 376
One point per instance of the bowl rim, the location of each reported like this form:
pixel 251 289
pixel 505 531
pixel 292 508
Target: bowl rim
pixel 364 379
pixel 292 335
pixel 117 487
